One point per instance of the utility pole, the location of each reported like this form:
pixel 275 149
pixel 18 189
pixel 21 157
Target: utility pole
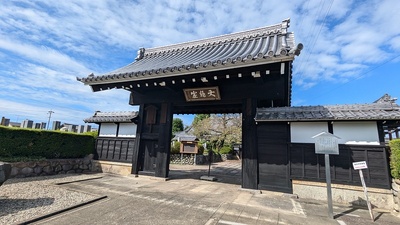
pixel 48 123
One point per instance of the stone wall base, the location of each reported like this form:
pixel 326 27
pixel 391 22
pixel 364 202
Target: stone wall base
pixel 50 167
pixel 5 171
pixel 111 167
pixel 344 194
pixel 396 196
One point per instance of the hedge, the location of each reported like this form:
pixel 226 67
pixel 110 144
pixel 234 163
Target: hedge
pixel 16 142
pixel 395 158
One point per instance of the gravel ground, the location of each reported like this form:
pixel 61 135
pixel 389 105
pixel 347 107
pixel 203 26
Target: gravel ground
pixel 22 199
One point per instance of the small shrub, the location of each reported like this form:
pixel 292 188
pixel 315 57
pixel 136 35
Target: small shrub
pixel 201 149
pixel 176 147
pixel 225 150
pixel 395 158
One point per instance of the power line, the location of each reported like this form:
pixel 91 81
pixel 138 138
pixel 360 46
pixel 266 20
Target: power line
pixel 357 77
pixel 314 41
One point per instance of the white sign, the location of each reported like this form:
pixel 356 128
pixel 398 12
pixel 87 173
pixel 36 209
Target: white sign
pixel 360 165
pixel 326 143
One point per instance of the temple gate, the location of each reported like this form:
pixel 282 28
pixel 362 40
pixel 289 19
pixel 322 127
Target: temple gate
pixel 234 73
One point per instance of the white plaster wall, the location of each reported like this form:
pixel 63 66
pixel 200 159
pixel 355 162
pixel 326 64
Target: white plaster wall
pixel 127 130
pixel 365 132
pixel 302 132
pixel 108 130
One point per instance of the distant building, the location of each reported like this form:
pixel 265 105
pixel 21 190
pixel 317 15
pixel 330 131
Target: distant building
pixel 14 124
pixel 79 129
pixel 56 125
pixel 27 124
pixel 5 121
pixel 72 128
pixel 43 125
pixel 84 128
pixel 87 128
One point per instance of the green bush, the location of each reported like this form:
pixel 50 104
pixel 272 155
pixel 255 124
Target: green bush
pixel 16 142
pixel 176 147
pixel 225 150
pixel 395 158
pixel 95 134
pixel 201 149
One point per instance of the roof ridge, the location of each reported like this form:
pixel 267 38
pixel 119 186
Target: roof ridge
pixel 272 29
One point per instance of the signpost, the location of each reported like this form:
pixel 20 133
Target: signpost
pixel 360 166
pixel 327 143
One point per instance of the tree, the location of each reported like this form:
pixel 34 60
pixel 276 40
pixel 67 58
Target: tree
pixel 219 129
pixel 199 117
pixel 201 126
pixel 177 125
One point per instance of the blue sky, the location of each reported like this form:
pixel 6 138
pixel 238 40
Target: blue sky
pixel 351 48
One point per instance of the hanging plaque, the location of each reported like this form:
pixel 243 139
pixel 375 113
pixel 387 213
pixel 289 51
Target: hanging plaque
pixel 202 94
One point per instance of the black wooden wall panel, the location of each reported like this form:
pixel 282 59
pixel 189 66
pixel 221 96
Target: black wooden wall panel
pixel 114 149
pixel 273 157
pixel 306 165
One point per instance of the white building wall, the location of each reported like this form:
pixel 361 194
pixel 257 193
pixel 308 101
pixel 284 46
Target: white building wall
pixel 302 132
pixel 363 132
pixel 108 130
pixel 357 132
pixel 126 130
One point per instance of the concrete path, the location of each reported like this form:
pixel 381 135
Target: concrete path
pixel 185 199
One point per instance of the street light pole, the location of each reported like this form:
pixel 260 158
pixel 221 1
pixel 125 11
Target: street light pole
pixel 48 122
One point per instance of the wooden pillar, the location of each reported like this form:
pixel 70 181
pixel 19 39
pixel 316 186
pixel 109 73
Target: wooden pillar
pixel 381 133
pixel 136 146
pixel 164 141
pixel 250 151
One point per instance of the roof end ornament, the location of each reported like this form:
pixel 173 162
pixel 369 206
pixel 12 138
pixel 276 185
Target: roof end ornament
pixel 140 54
pixel 386 98
pixel 285 25
pixel 297 49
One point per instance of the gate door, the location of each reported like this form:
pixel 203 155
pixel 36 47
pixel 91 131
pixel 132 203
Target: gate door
pixel 149 155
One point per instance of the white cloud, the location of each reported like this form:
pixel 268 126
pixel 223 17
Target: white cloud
pixel 43 55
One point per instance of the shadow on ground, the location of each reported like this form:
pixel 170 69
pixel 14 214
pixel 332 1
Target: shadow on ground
pixel 223 174
pixel 8 206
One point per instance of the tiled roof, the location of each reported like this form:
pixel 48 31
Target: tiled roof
pixel 185 136
pixel 259 46
pixel 117 117
pixel 374 111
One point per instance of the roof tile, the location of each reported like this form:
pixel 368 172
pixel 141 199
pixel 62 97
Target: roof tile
pixel 374 111
pixel 117 117
pixel 271 44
